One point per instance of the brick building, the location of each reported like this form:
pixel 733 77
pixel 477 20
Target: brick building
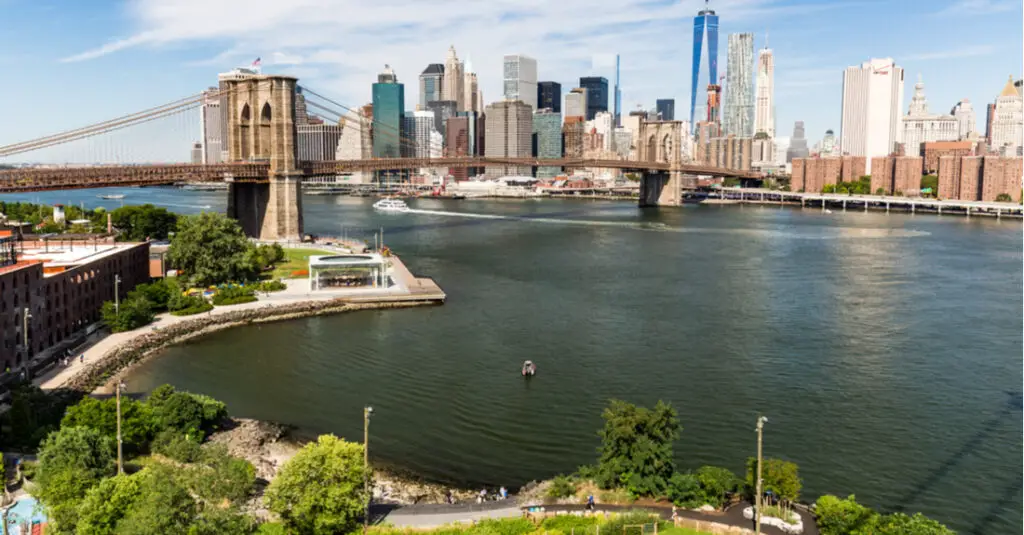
pixel 949 177
pixel 813 174
pixel 970 178
pixel 934 150
pixel 980 178
pixel 881 174
pixel 906 178
pixel 797 179
pixel 61 284
pixel 854 167
pixel 1001 175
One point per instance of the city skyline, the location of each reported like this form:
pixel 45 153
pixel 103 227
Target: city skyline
pixel 173 53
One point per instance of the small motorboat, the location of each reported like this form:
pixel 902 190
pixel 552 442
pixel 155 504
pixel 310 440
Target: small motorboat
pixel 388 204
pixel 111 197
pixel 529 368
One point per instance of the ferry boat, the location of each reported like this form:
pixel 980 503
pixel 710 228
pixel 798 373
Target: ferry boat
pixel 111 197
pixel 388 204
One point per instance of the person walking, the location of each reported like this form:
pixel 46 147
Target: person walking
pixel 81 358
pixel 590 502
pixel 503 492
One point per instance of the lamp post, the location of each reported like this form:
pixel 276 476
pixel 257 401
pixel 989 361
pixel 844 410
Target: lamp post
pixel 120 457
pixel 367 411
pixel 117 300
pixel 24 331
pixel 757 511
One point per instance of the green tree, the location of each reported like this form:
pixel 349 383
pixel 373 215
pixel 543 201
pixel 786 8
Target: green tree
pixel 137 422
pixel 211 249
pixel 930 182
pixel 177 445
pixel 71 461
pixel 684 490
pixel 180 412
pixel 139 223
pixel 1004 197
pixel 217 521
pixel 716 484
pixel 219 476
pixel 164 506
pixel 780 477
pixel 320 490
pixel 636 447
pixel 128 315
pixel 902 524
pixel 157 293
pixel 836 516
pixel 107 503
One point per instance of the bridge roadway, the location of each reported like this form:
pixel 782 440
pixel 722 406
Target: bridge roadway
pixel 29 179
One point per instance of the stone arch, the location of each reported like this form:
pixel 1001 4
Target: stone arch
pixel 666 148
pixel 652 149
pixel 244 120
pixel 264 139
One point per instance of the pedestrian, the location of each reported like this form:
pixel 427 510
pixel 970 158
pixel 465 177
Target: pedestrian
pixel 483 496
pixel 81 358
pixel 590 502
pixel 503 492
pixel 675 513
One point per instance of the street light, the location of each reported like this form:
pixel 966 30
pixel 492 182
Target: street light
pixel 761 420
pixel 367 411
pixel 117 301
pixel 120 458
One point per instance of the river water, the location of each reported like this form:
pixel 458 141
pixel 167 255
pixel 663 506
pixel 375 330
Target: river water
pixel 885 349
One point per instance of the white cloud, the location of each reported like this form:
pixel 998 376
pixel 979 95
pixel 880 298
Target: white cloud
pixel 342 44
pixel 961 52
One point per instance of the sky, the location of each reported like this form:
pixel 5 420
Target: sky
pixel 70 63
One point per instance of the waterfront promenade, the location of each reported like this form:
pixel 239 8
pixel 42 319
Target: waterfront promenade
pixel 407 288
pixel 841 201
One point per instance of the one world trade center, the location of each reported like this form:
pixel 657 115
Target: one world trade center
pixel 705 19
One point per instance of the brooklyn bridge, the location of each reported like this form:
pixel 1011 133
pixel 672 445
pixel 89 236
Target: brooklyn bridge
pixel 264 173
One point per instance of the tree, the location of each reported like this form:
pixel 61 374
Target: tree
pixel 130 314
pixel 1004 197
pixel 136 420
pixel 880 191
pixel 217 521
pixel 157 293
pixel 716 484
pixel 139 223
pixel 180 412
pixel 781 478
pixel 930 182
pixel 211 249
pixel 320 490
pixel 684 490
pixel 71 461
pixel 636 447
pixel 107 503
pixel 219 476
pixel 164 506
pixel 841 517
pixel 902 524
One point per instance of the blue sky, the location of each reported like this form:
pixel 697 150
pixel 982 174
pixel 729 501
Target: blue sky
pixel 73 63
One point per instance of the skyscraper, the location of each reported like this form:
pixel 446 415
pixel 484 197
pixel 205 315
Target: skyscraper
pixel 797 144
pixel 576 103
pixel 706 18
pixel 470 88
pixel 764 112
pixel 597 94
pixel 452 88
pixel 355 142
pixel 872 99
pixel 418 128
pixel 618 95
pixel 919 126
pixel 210 123
pixel 520 77
pixel 738 116
pixel 388 109
pixel 666 109
pixel 1007 120
pixel 509 134
pixel 317 142
pixel 431 80
pixel 966 120
pixel 547 137
pixel 443 110
pixel 549 96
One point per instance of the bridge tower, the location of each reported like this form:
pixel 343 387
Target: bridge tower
pixel 261 128
pixel 661 141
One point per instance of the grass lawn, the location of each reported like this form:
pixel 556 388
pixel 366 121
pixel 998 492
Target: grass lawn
pixel 681 531
pixel 295 259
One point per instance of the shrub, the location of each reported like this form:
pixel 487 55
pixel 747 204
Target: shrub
pixel 130 314
pixel 716 484
pixel 514 526
pixel 636 447
pixel 179 301
pixel 28 469
pixel 617 523
pixel 561 487
pixel 271 286
pixel 233 295
pixel 569 523
pixel 197 309
pixel 684 490
pixel 839 517
pixel 786 515
pixel 176 445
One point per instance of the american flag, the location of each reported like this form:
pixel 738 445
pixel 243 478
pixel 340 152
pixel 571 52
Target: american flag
pixel 256 63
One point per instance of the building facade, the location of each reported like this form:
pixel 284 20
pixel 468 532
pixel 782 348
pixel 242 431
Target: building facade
pixel 317 142
pixel 597 94
pixel 417 127
pixel 520 79
pixel 738 115
pixel 212 125
pixel 666 109
pixel 443 110
pixel 872 100
pixel 797 143
pixel 470 88
pixel 453 89
pixel 388 111
pixel 509 134
pixel 61 292
pixel 355 142
pixel 547 140
pixel 966 120
pixel 1008 121
pixel 705 24
pixel 921 127
pixel 431 82
pixel 576 103
pixel 549 96
pixel 933 151
pixel 764 105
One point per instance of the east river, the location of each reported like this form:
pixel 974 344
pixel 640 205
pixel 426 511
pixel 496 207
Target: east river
pixel 885 349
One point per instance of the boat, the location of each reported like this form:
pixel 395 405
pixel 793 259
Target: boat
pixel 529 368
pixel 111 197
pixel 458 196
pixel 390 204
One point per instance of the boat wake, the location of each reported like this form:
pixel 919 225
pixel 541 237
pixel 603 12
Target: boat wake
pixel 817 233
